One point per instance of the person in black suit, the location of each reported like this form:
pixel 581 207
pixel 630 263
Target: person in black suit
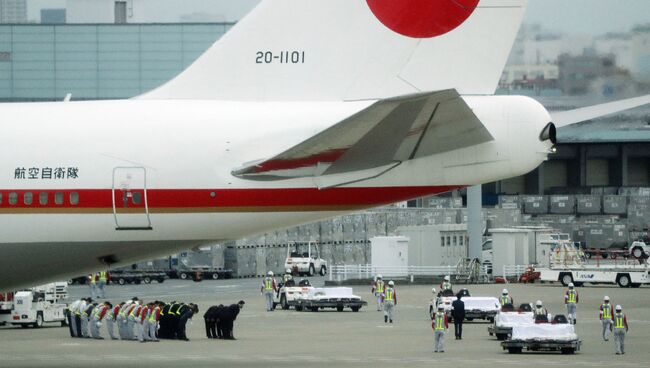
pixel 458 313
pixel 225 320
pixel 211 319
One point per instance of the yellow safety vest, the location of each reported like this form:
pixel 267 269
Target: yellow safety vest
pixel 540 312
pixel 446 285
pixel 152 314
pixel 102 276
pixel 287 277
pixel 380 286
pixel 268 284
pixel 505 300
pixel 572 297
pixel 607 311
pixel 91 278
pixel 135 311
pixel 619 320
pixel 440 321
pixel 390 294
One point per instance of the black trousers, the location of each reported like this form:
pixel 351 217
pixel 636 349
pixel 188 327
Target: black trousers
pixel 458 327
pixel 70 321
pixel 224 329
pixel 210 328
pixel 77 321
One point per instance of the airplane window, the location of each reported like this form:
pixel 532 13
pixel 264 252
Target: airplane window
pixel 137 198
pixel 442 241
pixel 74 198
pixel 58 198
pixel 13 198
pixel 42 199
pixel 28 198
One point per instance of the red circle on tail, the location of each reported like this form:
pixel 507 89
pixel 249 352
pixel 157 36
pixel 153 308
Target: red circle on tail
pixel 422 18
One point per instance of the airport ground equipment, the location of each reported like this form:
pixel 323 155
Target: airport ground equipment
pixel 568 266
pixel 289 293
pixel 476 307
pixel 338 298
pixel 123 277
pixel 39 305
pixel 505 321
pixel 204 272
pixel 543 337
pixel 639 249
pixel 304 259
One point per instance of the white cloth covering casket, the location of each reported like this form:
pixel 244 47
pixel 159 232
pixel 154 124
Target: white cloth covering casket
pixel 545 332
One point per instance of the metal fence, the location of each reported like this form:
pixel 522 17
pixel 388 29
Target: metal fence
pixel 347 272
pixel 514 270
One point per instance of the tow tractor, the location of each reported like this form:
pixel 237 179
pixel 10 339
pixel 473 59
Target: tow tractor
pixel 289 293
pixel 476 307
pixel 506 319
pixel 304 259
pixel 38 305
pixel 568 266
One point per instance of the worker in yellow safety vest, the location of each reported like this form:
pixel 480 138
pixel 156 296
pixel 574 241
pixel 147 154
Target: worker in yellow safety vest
pixel 440 325
pixel 102 279
pixel 268 288
pixel 446 284
pixel 505 298
pixel 606 317
pixel 620 329
pixel 378 287
pixel 389 300
pixel 92 283
pixel 571 301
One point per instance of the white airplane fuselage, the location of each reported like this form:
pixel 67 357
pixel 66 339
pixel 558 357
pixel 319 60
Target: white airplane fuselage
pixel 85 183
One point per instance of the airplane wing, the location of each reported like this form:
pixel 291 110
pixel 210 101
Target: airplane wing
pixel 564 118
pixel 377 139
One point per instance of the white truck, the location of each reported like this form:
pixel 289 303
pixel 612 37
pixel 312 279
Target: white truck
pixel 39 305
pixel 568 266
pixel 304 259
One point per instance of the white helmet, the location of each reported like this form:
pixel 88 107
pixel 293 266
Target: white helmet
pixel 288 270
pixel 538 303
pixel 433 290
pixel 505 292
pixel 270 273
pixel 447 278
pixel 570 285
pixel 379 277
pixel 618 308
pixel 606 298
pixel 391 283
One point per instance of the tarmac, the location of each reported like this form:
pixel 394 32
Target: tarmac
pixel 330 338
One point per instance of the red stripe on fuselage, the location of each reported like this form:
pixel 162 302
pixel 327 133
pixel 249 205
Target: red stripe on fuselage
pixel 227 198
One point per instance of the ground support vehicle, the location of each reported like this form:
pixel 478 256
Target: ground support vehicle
pixel 137 277
pixel 505 321
pixel 321 298
pixel 202 272
pixel 638 249
pixel 543 337
pixel 304 259
pixel 6 305
pixel 566 266
pixel 40 305
pixel 476 307
pixel 289 293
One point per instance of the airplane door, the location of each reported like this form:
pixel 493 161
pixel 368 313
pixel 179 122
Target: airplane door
pixel 130 205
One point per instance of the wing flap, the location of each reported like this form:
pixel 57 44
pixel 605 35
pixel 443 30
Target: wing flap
pixel 377 139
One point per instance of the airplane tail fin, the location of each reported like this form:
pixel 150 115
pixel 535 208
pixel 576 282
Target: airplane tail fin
pixel 354 50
